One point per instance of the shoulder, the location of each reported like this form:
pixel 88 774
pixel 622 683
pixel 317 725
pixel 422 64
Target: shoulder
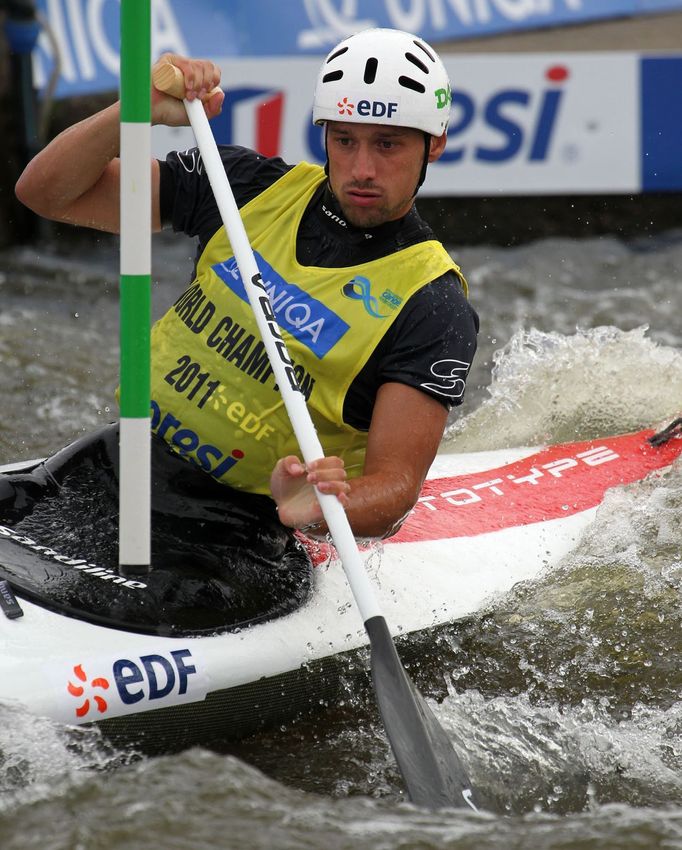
pixel 440 304
pixel 432 342
pixel 430 346
pixel 242 165
pixel 186 197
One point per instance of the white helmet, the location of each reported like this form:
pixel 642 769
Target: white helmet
pixel 384 76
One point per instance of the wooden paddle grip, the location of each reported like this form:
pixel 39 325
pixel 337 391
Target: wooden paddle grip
pixel 169 79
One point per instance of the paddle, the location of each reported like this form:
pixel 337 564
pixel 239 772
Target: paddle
pixel 430 767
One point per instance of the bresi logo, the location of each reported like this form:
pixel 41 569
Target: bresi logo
pixel 308 320
pixel 524 120
pixel 210 458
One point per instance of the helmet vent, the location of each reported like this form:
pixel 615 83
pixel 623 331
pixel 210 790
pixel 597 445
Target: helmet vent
pixel 424 48
pixel 332 76
pixel 371 70
pixel 416 61
pixel 335 55
pixel 409 83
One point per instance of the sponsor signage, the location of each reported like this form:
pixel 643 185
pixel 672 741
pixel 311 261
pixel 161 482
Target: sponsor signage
pixel 590 123
pixel 97 688
pixel 521 123
pixel 555 483
pixel 304 317
pixel 315 26
pixel 85 33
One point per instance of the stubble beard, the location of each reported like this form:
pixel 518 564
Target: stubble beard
pixel 375 216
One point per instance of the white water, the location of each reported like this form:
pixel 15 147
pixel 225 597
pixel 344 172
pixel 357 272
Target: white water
pixel 563 699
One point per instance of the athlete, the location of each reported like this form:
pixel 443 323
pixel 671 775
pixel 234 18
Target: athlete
pixel 374 309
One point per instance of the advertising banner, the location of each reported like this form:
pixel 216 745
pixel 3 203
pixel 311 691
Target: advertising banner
pixel 315 26
pixel 80 38
pixel 520 123
pixel 531 124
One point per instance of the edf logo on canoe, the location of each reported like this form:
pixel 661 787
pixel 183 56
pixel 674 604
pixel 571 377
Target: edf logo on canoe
pixel 131 684
pixel 153 676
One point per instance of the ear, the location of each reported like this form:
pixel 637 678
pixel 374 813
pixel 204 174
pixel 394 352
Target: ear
pixel 437 146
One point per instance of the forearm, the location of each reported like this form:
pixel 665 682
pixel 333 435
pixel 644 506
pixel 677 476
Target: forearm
pixel 377 504
pixel 69 167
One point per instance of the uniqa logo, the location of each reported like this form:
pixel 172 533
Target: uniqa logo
pixel 308 319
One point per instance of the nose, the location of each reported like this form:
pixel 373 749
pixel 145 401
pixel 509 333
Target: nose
pixel 364 167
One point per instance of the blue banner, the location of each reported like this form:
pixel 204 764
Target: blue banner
pixel 80 39
pixel 661 83
pixel 84 34
pixel 315 26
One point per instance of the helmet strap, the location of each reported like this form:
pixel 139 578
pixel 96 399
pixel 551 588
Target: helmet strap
pixel 427 151
pixel 326 154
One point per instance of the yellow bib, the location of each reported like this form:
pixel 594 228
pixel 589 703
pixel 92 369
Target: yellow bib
pixel 214 399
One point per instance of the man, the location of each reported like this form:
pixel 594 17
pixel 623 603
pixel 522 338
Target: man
pixel 374 309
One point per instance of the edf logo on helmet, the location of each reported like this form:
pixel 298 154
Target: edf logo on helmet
pixel 369 108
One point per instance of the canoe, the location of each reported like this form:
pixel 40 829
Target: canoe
pixel 82 644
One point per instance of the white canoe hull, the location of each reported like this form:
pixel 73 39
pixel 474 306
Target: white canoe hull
pixel 75 672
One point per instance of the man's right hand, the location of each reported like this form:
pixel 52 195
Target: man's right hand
pixel 201 79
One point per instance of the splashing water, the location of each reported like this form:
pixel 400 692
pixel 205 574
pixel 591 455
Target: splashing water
pixel 547 388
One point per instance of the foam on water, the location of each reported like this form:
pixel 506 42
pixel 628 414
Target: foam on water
pixel 549 387
pixel 36 754
pixel 567 691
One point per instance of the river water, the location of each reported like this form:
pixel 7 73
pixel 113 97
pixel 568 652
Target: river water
pixel 566 702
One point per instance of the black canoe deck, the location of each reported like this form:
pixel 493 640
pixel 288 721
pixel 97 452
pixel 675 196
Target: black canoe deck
pixel 220 558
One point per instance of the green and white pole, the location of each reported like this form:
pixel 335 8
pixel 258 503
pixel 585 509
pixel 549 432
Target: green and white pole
pixel 135 288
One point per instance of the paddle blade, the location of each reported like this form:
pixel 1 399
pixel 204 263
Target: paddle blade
pixel 432 771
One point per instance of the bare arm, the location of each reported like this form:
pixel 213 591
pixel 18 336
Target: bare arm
pixel 75 179
pixel 406 429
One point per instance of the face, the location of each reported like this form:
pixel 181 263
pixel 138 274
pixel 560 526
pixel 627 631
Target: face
pixel 373 169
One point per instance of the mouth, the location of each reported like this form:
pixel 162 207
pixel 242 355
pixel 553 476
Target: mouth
pixel 363 197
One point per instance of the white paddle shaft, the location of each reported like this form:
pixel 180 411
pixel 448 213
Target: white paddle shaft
pixel 294 401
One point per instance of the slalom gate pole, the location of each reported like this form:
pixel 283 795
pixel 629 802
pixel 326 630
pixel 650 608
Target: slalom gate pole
pixel 135 288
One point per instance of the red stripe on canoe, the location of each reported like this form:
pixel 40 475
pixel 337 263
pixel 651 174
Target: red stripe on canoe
pixel 555 482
